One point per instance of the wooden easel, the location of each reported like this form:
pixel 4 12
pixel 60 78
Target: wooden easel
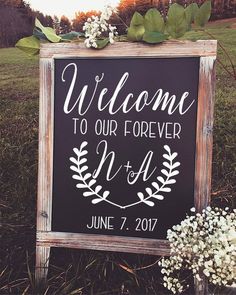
pixel 46 238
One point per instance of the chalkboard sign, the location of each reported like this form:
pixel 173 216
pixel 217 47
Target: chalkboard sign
pixel 125 144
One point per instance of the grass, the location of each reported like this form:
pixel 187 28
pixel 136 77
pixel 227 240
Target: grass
pixel 19 75
pixel 85 272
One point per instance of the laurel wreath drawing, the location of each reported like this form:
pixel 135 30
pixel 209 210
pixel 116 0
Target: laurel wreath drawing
pixel 91 189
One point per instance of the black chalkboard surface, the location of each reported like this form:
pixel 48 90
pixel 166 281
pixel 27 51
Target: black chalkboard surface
pixel 124 144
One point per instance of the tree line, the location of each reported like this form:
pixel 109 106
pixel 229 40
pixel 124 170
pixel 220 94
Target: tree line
pixel 126 8
pixel 17 17
pixel 17 21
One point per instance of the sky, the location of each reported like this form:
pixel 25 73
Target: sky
pixel 68 7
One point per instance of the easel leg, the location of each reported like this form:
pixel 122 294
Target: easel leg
pixel 201 288
pixel 42 264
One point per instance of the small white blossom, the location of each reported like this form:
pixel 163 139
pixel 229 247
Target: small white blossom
pixel 98 27
pixel 204 244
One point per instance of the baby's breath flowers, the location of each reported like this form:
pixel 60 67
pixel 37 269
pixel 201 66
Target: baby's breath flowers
pixel 97 27
pixel 204 244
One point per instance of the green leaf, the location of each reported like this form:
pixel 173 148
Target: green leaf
pixel 176 14
pixel 154 37
pixel 136 29
pixel 30 45
pixel 48 32
pixel 39 35
pixel 137 19
pixel 135 33
pixel 153 21
pixel 101 43
pixel 71 36
pixel 177 24
pixel 203 14
pixel 190 12
pixel 51 30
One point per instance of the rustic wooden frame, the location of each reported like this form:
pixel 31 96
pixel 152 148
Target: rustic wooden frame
pixel 206 50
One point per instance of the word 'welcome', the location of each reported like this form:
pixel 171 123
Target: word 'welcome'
pixel 160 100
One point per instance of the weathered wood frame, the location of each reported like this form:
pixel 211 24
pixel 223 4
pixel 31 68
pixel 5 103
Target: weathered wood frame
pixel 46 238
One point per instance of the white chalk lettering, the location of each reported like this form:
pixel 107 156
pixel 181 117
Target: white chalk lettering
pixel 160 100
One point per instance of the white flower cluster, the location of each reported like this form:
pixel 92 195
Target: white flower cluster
pixel 98 27
pixel 204 244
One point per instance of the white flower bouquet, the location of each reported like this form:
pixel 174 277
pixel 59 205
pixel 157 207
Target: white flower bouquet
pixel 204 244
pixel 98 27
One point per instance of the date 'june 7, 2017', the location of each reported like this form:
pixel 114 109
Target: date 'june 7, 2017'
pixel 123 224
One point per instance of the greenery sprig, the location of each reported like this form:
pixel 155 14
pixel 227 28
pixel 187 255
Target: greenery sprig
pixel 153 28
pixel 31 45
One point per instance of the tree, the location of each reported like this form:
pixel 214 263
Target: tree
pixel 14 22
pixel 65 25
pixel 81 18
pixel 17 21
pixel 56 24
pixel 220 8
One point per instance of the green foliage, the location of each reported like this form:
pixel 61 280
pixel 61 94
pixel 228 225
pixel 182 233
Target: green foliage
pixel 153 21
pixel 148 29
pixel 39 35
pixel 136 29
pixel 152 26
pixel 135 33
pixel 71 36
pixel 203 14
pixel 190 12
pixel 30 45
pixel 137 20
pixel 154 37
pixel 48 32
pixel 102 43
pixel 176 24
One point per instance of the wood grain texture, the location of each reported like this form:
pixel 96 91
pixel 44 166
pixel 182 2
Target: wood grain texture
pixel 44 202
pixel 104 243
pixel 126 49
pixel 204 145
pixel 41 265
pixel 204 138
pixel 45 168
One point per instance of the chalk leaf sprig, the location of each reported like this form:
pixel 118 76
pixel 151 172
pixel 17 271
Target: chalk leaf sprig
pixel 162 185
pixel 84 178
pixel 87 182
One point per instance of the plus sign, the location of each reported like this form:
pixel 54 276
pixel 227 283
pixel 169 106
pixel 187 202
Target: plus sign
pixel 127 166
